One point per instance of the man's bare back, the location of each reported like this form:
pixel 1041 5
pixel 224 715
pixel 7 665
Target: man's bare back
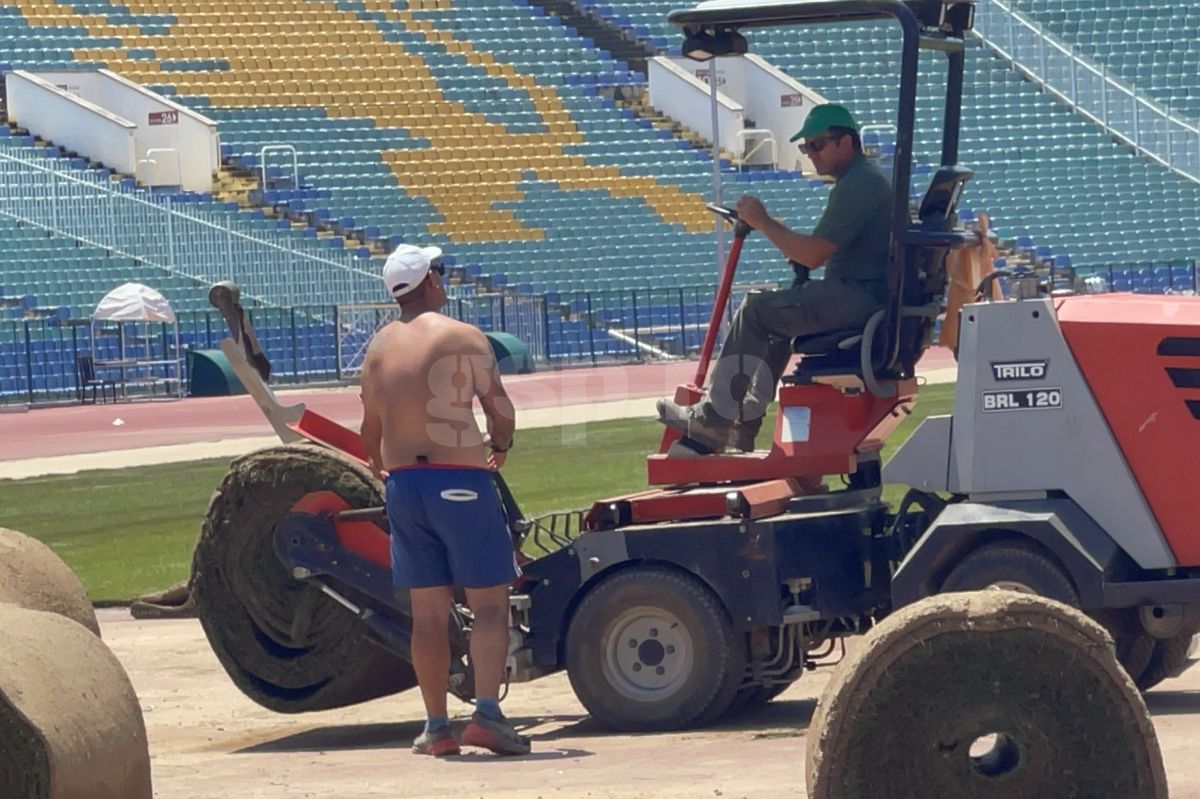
pixel 421 378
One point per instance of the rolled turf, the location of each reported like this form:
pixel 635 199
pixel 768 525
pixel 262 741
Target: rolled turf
pixel 70 724
pixel 285 644
pixel 983 695
pixel 32 576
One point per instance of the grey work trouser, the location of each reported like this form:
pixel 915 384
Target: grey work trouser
pixel 759 344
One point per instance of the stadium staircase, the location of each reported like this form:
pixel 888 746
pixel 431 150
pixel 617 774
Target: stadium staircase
pixel 623 43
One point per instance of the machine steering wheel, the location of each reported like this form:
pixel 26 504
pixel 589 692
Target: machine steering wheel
pixel 740 228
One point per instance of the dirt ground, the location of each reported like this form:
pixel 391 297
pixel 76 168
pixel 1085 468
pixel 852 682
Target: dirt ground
pixel 208 740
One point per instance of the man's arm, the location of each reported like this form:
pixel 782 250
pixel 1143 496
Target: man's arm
pixel 497 407
pixel 372 425
pixel 812 251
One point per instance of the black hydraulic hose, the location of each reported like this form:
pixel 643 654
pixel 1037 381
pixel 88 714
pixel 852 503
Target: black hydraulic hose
pixel 984 289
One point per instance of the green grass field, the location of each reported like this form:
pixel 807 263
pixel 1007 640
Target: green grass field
pixel 129 531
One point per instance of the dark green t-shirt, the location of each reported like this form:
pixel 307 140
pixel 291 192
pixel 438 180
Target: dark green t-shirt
pixel 858 219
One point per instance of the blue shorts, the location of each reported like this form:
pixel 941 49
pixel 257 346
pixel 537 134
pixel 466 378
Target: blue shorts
pixel 448 528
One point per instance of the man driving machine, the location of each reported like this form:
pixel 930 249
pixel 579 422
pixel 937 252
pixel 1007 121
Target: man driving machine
pixel 850 241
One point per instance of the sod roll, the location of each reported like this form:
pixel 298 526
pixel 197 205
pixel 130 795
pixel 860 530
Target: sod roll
pixel 70 724
pixel 32 576
pixel 983 695
pixel 285 644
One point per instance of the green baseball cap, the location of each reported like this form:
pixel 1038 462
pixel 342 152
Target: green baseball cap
pixel 824 117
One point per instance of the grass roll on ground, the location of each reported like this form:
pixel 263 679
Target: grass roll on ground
pixel 32 576
pixel 983 695
pixel 70 724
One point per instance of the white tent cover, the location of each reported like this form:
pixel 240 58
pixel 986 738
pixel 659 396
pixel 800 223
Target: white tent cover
pixel 131 302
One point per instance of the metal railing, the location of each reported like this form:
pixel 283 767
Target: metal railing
pixel 641 324
pixel 521 315
pixel 1090 89
pixel 324 343
pixel 179 237
pixel 39 357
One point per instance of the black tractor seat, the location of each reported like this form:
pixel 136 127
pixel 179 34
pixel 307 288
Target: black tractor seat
pixel 832 343
pixel 835 352
pixel 850 352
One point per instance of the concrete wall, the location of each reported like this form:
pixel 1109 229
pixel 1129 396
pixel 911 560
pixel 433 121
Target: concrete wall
pixel 769 101
pixel 174 145
pixel 70 121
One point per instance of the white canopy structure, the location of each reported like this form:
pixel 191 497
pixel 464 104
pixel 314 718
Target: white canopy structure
pixel 130 302
pixel 144 359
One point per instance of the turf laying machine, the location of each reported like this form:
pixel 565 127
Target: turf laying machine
pixel 1064 470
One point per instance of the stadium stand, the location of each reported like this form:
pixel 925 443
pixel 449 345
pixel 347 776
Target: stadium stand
pixel 501 147
pixel 39 341
pixel 1152 46
pixel 1041 171
pixel 494 130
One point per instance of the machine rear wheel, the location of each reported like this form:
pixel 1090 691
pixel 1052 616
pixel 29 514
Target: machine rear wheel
pixel 1026 568
pixel 1170 655
pixel 651 648
pixel 285 644
pixel 1013 566
pixel 749 698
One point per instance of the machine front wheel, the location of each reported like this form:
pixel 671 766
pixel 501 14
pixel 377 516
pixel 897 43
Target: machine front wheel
pixel 652 648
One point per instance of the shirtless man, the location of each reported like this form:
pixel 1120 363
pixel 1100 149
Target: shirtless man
pixel 420 377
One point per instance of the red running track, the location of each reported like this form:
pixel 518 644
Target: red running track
pixel 82 429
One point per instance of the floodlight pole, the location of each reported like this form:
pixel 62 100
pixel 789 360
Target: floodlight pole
pixel 716 156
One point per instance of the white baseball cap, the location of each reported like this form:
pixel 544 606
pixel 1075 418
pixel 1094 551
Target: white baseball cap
pixel 407 266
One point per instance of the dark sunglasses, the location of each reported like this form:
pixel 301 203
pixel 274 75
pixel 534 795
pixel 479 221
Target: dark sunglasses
pixel 439 267
pixel 816 145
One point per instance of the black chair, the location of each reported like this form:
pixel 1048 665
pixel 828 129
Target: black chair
pixel 85 372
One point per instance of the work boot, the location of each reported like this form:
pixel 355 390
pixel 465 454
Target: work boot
pixel 497 735
pixel 741 437
pixel 690 420
pixel 439 743
pixel 751 415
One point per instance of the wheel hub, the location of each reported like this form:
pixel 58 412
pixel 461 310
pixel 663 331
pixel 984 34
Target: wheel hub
pixel 649 654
